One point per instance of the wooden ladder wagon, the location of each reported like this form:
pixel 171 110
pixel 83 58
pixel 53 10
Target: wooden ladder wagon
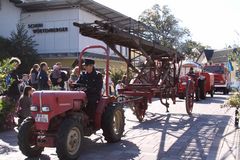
pixel 156 69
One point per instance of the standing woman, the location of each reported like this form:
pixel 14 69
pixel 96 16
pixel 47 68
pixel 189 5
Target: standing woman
pixel 34 76
pixel 25 103
pixel 43 79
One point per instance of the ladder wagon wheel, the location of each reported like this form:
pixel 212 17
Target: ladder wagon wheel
pixel 121 99
pixel 189 97
pixel 140 110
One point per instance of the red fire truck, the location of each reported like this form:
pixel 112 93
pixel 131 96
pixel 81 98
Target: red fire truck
pixel 221 77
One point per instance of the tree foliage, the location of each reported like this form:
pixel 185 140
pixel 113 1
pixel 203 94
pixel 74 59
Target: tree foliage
pixel 116 75
pixel 23 47
pixel 169 32
pixel 192 49
pixel 4 48
pixel 20 44
pixel 5 69
pixel 7 106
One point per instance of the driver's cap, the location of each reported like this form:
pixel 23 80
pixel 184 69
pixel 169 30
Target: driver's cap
pixel 88 62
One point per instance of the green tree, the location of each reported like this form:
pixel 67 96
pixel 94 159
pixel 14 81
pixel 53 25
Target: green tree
pixel 188 49
pixel 22 45
pixel 7 105
pixel 4 48
pixel 5 69
pixel 169 32
pixel 116 75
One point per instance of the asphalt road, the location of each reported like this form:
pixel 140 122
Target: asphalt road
pixel 208 134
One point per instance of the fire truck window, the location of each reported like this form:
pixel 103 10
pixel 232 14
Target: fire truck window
pixel 214 69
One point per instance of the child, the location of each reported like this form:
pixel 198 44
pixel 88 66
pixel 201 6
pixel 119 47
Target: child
pixel 25 104
pixel 25 82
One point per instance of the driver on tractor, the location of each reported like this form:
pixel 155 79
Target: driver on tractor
pixel 93 82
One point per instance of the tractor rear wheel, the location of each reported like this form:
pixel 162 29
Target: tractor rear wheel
pixel 27 140
pixel 69 139
pixel 189 97
pixel 140 109
pixel 113 122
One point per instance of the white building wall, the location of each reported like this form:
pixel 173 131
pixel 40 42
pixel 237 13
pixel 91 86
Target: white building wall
pixel 86 17
pixel 55 42
pixel 62 42
pixel 9 17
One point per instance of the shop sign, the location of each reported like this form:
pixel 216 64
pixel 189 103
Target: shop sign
pixel 38 28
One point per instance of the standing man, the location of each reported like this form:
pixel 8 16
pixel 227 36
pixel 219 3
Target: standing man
pixel 13 80
pixel 34 76
pixel 43 79
pixel 93 82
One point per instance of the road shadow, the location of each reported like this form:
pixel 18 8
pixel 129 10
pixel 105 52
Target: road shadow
pixel 42 157
pixel 195 137
pixel 9 141
pixel 216 99
pixel 108 151
pixel 6 149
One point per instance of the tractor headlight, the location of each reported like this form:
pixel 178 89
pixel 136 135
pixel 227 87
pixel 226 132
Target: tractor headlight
pixel 45 109
pixel 34 108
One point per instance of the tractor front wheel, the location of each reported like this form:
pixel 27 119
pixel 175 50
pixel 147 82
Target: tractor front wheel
pixel 189 97
pixel 69 139
pixel 27 140
pixel 113 122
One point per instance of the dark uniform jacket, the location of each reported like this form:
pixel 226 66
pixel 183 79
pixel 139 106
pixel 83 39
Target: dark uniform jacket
pixel 43 80
pixel 94 84
pixel 13 90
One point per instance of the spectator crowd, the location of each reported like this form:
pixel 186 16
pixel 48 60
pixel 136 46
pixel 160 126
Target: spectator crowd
pixel 41 77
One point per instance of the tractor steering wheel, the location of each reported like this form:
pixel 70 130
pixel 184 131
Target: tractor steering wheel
pixel 79 87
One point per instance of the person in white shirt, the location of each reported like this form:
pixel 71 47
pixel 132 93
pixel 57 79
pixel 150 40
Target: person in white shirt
pixel 118 86
pixel 110 84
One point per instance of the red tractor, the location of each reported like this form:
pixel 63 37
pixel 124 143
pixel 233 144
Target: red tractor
pixel 58 120
pixel 203 81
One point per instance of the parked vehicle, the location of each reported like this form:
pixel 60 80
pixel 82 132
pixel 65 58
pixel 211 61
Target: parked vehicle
pixel 203 82
pixel 221 77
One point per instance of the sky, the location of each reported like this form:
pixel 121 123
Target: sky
pixel 215 23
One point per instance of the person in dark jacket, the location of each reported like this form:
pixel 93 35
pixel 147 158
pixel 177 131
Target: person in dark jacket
pixel 93 81
pixel 25 104
pixel 34 76
pixel 43 79
pixel 13 80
